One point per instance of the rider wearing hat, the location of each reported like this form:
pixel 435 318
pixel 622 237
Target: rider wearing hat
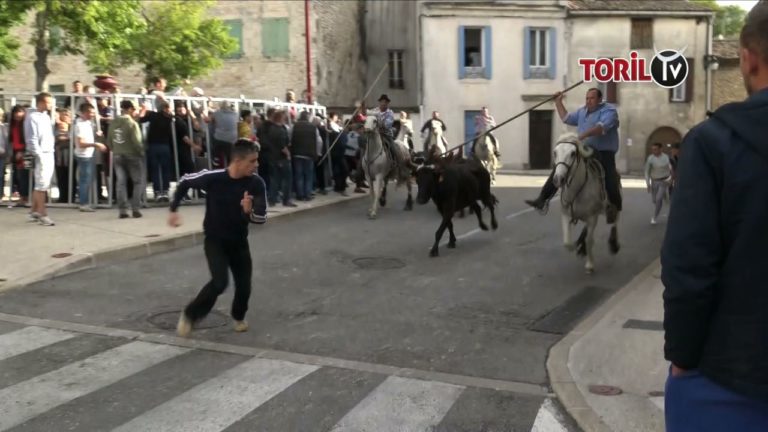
pixel 386 119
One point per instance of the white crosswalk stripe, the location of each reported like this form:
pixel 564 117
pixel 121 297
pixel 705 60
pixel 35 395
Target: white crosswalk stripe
pixel 401 404
pixel 28 339
pixel 235 396
pixel 27 399
pixel 221 401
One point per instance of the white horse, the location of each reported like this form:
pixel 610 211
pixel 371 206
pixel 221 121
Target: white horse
pixel 405 133
pixel 484 154
pixel 378 166
pixel 435 138
pixel 582 195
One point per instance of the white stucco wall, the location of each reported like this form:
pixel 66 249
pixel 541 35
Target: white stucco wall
pixel 503 93
pixel 643 107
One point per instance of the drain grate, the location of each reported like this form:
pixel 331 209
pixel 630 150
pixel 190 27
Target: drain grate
pixel 378 263
pixel 167 320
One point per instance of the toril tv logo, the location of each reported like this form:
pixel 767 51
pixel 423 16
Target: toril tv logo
pixel 668 68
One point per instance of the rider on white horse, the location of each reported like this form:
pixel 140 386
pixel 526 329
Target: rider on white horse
pixel 386 119
pixel 483 122
pixel 428 127
pixel 404 130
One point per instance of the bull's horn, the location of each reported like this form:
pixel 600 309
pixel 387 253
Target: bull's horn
pixel 585 150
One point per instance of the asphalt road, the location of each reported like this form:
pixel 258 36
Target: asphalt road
pixel 356 295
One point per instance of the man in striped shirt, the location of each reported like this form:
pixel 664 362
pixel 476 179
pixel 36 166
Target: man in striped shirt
pixel 235 197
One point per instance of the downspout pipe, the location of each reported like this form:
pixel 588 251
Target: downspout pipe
pixel 308 50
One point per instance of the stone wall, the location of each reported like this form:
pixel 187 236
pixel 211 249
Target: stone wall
pixel 338 67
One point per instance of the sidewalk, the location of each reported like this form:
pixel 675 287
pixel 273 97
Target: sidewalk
pixel 619 345
pixel 86 240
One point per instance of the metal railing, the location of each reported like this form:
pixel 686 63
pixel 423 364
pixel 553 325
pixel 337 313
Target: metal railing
pixel 193 105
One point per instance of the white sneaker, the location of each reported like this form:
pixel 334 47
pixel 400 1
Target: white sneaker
pixel 241 326
pixel 46 221
pixel 184 327
pixel 87 209
pixel 653 221
pixel 33 217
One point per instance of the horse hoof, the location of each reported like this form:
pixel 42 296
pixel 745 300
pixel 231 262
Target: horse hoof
pixel 452 245
pixel 484 227
pixel 589 271
pixel 494 225
pixel 433 253
pixel 371 216
pixel 408 207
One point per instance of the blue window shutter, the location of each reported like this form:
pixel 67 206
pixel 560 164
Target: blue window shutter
pixel 552 35
pixel 488 52
pixel 462 73
pixel 526 52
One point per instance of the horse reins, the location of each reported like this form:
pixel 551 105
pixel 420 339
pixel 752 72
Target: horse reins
pixel 576 163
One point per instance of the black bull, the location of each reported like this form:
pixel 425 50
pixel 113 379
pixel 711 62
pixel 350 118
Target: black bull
pixel 452 187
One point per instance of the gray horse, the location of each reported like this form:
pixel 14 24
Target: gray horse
pixel 379 169
pixel 582 195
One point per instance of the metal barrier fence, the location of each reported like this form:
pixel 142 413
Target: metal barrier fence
pixel 196 105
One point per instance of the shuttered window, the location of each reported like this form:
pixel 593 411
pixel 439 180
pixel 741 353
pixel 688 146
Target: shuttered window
pixel 642 33
pixel 236 32
pixel 275 38
pixel 475 52
pixel 539 53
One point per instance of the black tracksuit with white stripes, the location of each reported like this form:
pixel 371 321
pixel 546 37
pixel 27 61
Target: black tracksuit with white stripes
pixel 226 235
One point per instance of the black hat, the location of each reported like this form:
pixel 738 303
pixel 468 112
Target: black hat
pixel 126 104
pixel 384 97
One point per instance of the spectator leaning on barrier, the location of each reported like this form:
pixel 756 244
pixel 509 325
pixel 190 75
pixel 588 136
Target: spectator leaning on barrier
pixel 715 263
pixel 84 150
pixel 38 135
pixel 225 121
pixel 63 174
pixel 159 145
pixel 124 139
pixel 304 155
pixel 19 171
pixel 280 161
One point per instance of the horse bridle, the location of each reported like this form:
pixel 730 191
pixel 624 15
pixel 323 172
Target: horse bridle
pixel 567 166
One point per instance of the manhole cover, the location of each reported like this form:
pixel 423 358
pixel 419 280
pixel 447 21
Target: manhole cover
pixel 655 393
pixel 378 263
pixel 152 235
pixel 61 255
pixel 168 320
pixel 605 390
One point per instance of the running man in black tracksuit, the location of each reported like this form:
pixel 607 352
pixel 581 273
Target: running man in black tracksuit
pixel 235 197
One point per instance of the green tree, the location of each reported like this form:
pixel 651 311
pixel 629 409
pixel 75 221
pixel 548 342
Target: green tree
pixel 80 25
pixel 11 14
pixel 179 42
pixel 728 19
pixel 172 39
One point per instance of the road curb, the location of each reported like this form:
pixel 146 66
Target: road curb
pixel 140 249
pixel 560 377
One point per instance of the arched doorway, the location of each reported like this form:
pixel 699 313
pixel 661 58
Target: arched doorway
pixel 664 135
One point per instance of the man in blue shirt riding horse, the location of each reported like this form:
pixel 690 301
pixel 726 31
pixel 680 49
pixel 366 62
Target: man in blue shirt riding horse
pixel 598 124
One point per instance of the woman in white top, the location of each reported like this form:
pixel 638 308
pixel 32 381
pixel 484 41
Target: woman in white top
pixel 658 176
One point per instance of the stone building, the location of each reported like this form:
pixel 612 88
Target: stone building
pixel 271 57
pixel 727 85
pixel 511 55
